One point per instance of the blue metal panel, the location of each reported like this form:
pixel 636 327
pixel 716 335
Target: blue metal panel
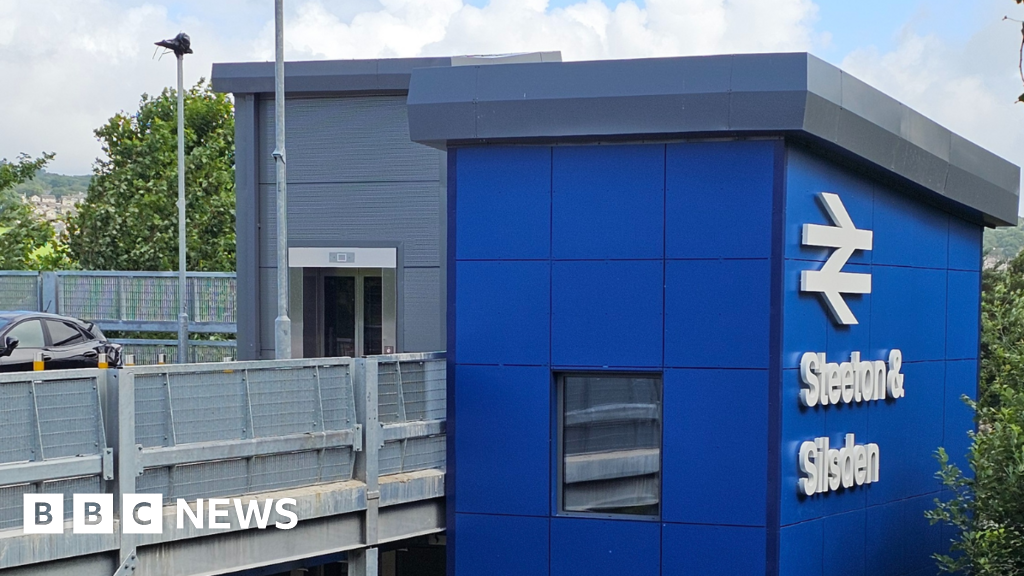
pixel 844 544
pixel 887 536
pixel 961 380
pixel 799 424
pixel 909 233
pixel 965 241
pixel 504 203
pixel 842 340
pixel 605 547
pixel 712 550
pixel 500 545
pixel 923 538
pixel 716 313
pixel 504 312
pixel 718 198
pixel 908 431
pixel 607 314
pixel 714 460
pixel 808 175
pixel 608 202
pixel 503 423
pixel 908 311
pixel 806 324
pixel 801 549
pixel 963 322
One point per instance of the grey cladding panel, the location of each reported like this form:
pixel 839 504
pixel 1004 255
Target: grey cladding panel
pixel 354 139
pixel 358 214
pixel 789 94
pixel 422 291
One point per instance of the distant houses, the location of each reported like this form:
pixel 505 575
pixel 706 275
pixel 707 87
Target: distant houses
pixel 53 209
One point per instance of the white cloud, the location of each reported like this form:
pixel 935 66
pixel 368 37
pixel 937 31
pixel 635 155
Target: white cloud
pixel 968 86
pixel 588 29
pixel 69 65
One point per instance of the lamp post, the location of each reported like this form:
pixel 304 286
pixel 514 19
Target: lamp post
pixel 282 324
pixel 181 45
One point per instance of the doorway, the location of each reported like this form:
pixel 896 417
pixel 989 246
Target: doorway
pixel 349 312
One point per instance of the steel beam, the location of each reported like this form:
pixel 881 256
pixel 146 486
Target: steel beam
pixel 247 448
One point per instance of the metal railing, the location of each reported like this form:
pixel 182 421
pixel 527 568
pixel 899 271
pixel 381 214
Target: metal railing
pixel 214 430
pixel 53 438
pixel 133 302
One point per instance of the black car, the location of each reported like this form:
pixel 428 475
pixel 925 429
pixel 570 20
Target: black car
pixel 63 341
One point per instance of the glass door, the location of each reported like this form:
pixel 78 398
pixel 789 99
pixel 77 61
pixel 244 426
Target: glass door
pixel 339 318
pixel 349 312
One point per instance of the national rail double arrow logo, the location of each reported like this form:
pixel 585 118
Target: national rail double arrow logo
pixel 831 281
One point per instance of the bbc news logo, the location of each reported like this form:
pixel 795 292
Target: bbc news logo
pixel 94 513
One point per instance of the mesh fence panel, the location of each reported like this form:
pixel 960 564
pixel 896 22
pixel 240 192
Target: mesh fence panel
pixel 152 410
pixel 90 297
pixel 209 406
pixel 17 422
pixel 283 401
pixel 69 416
pixel 19 292
pixel 424 390
pixel 388 376
pixel 11 500
pixel 212 299
pixel 214 405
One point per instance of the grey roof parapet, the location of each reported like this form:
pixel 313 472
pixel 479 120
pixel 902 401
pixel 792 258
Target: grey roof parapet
pixel 332 76
pixel 794 94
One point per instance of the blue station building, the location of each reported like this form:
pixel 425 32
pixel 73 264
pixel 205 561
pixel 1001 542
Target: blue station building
pixel 707 315
pixel 703 316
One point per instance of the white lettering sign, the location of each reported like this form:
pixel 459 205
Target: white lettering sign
pixel 827 469
pixel 856 381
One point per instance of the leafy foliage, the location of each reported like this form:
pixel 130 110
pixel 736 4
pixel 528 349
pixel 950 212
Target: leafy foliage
pixel 1002 330
pixel 26 241
pixel 987 504
pixel 129 220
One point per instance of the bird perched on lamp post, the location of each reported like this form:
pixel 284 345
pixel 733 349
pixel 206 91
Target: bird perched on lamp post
pixel 180 44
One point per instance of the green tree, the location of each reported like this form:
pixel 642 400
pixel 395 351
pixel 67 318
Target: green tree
pixel 129 220
pixel 987 502
pixel 987 505
pixel 27 242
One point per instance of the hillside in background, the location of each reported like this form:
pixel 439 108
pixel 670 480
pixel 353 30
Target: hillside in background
pixel 1004 243
pixel 55 184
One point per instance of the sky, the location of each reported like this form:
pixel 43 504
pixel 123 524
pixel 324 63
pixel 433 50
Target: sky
pixel 66 66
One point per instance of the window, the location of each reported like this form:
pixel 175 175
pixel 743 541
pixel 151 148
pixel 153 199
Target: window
pixel 610 444
pixel 63 334
pixel 29 334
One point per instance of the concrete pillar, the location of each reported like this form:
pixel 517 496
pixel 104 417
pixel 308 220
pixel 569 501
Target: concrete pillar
pixel 363 562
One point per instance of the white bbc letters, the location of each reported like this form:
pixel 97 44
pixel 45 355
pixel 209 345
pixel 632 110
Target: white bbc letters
pixel 293 519
pixel 43 513
pixel 216 513
pixel 143 514
pixel 92 514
